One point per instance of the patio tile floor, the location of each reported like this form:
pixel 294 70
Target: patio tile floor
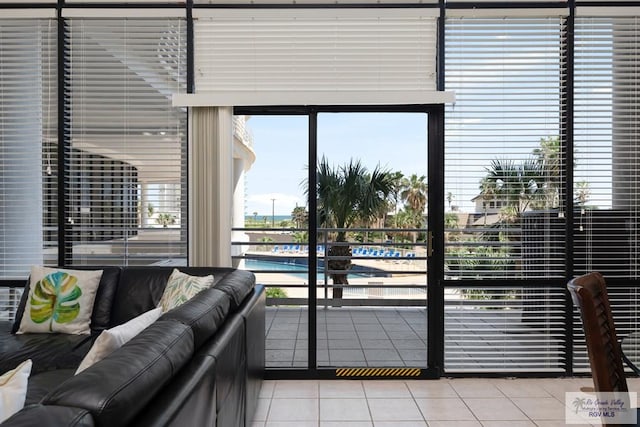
pixel 397 337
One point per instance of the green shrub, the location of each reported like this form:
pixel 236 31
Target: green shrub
pixel 275 293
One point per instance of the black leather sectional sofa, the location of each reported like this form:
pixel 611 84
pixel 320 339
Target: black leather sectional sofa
pixel 200 364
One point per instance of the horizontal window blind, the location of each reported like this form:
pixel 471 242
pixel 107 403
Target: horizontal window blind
pixel 504 177
pixel 318 51
pixel 607 133
pixel 504 156
pixel 127 160
pixel 504 329
pixel 28 118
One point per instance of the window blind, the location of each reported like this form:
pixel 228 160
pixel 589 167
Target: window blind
pixel 28 118
pixel 607 175
pixel 328 53
pixel 504 159
pixel 127 158
pixel 504 183
pixel 504 329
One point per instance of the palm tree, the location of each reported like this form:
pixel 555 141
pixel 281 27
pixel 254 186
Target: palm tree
pixel 414 192
pixel 394 196
pixel 347 194
pixel 517 185
pixel 583 192
pixel 549 159
pixel 300 216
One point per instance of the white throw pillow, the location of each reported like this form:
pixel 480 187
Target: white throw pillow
pixel 60 300
pixel 181 287
pixel 13 389
pixel 112 339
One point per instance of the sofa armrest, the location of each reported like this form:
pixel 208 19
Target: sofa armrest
pixel 50 415
pixel 116 388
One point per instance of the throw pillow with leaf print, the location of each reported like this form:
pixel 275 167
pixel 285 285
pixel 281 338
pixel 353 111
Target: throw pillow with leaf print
pixel 60 300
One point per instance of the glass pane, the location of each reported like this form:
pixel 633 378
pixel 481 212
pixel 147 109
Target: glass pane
pixel 28 146
pixel 372 208
pixel 505 184
pixel 127 173
pixel 274 241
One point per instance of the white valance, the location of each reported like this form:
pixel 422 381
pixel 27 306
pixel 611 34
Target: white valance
pixel 316 56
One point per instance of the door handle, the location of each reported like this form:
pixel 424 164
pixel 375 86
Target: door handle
pixel 429 243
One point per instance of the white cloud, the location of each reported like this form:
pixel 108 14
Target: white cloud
pixel 281 203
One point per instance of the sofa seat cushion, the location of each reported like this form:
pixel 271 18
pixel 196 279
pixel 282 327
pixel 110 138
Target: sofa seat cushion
pixel 46 351
pixel 42 383
pixel 118 386
pixel 204 314
pixel 235 283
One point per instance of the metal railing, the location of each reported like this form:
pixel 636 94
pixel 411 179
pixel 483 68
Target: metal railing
pixel 386 268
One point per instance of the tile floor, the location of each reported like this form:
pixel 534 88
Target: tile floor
pixel 459 402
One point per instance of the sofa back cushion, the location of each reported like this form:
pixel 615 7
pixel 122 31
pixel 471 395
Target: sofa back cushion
pixel 139 291
pixel 116 388
pixel 204 314
pixel 101 315
pixel 141 288
pixel 235 283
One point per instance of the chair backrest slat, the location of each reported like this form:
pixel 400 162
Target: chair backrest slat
pixel 589 294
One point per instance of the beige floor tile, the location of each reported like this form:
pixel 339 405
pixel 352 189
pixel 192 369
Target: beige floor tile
pixel 541 408
pixel 508 424
pixel 475 387
pixel 557 387
pixel 455 424
pixel 346 424
pixel 293 410
pixel 262 410
pixel 400 424
pixel 497 408
pixel 296 389
pixel 341 389
pixel 394 409
pixel 431 388
pixel 521 388
pixel 266 391
pixel 344 410
pixel 291 424
pixel 376 389
pixel 558 423
pixel 447 409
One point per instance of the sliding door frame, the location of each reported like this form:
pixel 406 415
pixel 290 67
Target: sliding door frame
pixel 435 224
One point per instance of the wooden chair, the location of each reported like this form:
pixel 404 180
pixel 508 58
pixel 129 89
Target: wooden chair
pixel 589 294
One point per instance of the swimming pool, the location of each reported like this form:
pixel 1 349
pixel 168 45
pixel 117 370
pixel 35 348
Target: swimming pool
pixel 300 270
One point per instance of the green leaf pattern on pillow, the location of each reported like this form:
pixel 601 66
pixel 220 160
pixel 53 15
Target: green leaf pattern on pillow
pixel 181 288
pixel 55 298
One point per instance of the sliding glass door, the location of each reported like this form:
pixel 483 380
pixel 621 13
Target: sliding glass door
pixel 344 245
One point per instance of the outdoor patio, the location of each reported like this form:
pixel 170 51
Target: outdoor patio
pixel 397 337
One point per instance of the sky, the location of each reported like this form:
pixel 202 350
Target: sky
pixel 396 141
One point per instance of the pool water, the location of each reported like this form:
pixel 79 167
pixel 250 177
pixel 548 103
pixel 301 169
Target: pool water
pixel 289 268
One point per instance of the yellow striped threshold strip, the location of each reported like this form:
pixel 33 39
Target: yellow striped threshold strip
pixel 377 372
